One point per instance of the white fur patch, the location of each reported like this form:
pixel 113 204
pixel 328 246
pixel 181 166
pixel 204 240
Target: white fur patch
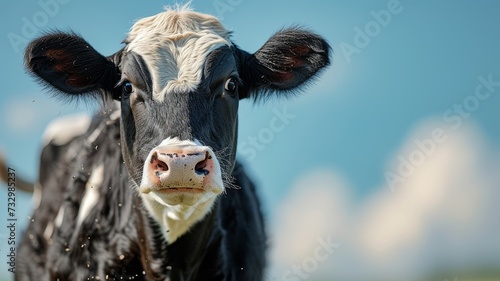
pixel 175 44
pixel 59 218
pixel 91 196
pixel 49 230
pixel 37 195
pixel 64 129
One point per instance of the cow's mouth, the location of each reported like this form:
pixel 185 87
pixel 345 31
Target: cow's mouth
pixel 170 190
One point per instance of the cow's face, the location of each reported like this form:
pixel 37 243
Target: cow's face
pixel 179 80
pixel 179 102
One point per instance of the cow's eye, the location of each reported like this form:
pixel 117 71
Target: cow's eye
pixel 231 86
pixel 127 88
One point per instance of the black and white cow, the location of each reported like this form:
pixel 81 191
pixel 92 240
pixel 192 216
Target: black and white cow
pixel 151 189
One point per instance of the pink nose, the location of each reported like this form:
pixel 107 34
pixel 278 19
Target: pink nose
pixel 175 167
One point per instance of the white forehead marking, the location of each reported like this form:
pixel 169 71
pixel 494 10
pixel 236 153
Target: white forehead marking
pixel 174 44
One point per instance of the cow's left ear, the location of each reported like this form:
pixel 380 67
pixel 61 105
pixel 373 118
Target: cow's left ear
pixel 69 64
pixel 287 61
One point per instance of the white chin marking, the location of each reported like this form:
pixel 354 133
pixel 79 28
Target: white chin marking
pixel 178 210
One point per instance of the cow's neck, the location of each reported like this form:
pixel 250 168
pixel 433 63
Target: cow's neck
pixel 198 251
pixel 196 255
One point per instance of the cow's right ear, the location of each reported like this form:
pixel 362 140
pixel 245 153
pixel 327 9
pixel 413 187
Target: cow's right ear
pixel 68 63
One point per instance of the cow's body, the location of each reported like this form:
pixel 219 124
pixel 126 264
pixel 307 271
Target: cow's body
pixel 117 239
pixel 152 190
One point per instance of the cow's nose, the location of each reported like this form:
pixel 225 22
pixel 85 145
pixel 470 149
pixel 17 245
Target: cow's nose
pixel 179 167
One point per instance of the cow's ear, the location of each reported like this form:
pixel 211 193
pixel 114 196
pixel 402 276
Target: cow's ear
pixel 69 64
pixel 287 61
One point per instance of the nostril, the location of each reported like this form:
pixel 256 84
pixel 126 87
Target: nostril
pixel 158 164
pixel 161 166
pixel 200 166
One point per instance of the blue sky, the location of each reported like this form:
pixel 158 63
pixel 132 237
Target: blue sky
pixel 396 65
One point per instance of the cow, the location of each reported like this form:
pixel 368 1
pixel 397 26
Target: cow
pixel 150 188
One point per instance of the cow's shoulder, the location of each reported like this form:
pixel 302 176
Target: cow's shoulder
pixel 86 223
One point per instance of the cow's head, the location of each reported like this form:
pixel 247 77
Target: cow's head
pixel 179 80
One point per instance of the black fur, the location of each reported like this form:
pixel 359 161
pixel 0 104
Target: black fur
pixel 68 63
pixel 289 59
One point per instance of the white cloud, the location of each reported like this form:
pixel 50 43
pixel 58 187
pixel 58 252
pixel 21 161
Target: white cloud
pixel 444 215
pixel 317 208
pixel 313 209
pixel 24 114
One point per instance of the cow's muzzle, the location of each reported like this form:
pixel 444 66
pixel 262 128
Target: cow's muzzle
pixel 181 166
